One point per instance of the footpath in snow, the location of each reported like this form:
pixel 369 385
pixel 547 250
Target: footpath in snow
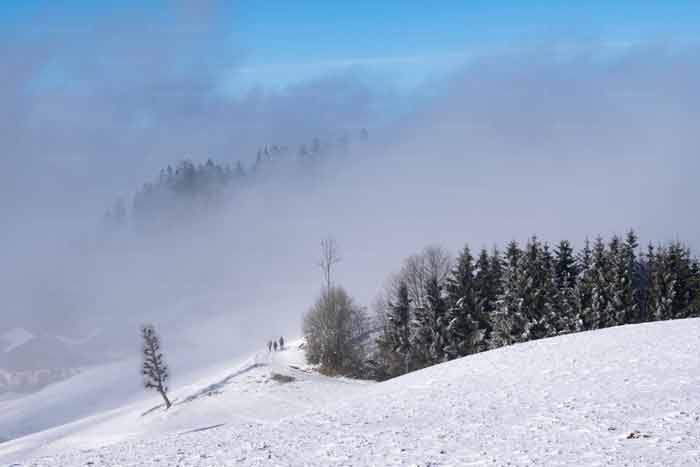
pixel 619 396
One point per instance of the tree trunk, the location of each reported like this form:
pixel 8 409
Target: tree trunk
pixel 165 398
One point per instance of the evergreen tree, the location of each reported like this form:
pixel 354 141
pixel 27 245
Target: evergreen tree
pixel 466 335
pixel 467 324
pixel 303 155
pixel 584 288
pixel 662 285
pixel 461 282
pixel 625 272
pixel 566 269
pixel 430 325
pixel 643 285
pixel 601 307
pixel 509 323
pixel 695 288
pixel 487 283
pixel 676 270
pixel 565 276
pixel 681 258
pixel 395 344
pixel 494 287
pixel 536 290
pixel 483 281
pixel 239 171
pixel 533 292
pixel 154 370
pixel 621 278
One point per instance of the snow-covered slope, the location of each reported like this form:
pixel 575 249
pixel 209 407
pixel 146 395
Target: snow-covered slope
pixel 619 396
pixel 245 391
pixel 30 361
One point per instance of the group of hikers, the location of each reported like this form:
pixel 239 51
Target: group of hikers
pixel 275 345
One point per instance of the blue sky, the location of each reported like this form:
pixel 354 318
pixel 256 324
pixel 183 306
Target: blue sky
pixel 99 95
pixel 281 42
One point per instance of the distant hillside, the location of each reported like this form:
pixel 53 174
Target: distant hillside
pixel 29 362
pixel 187 189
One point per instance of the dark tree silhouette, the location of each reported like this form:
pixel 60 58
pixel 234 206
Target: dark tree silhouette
pixel 155 371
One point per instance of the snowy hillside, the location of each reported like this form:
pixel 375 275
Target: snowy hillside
pixel 619 396
pixel 30 361
pixel 249 390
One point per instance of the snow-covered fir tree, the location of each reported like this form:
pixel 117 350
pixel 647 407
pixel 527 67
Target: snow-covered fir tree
pixel 624 269
pixel 395 343
pixel 662 285
pixel 565 277
pixel 601 307
pixel 695 288
pixel 510 324
pixel 673 282
pixel 681 262
pixel 584 288
pixel 535 292
pixel 495 284
pixel 643 285
pixel 430 325
pixel 467 323
pixel 487 284
pixel 460 281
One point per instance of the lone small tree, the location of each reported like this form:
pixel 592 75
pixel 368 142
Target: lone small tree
pixel 333 328
pixel 155 371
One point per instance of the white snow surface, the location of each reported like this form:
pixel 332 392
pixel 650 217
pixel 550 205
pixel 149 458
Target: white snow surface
pixel 620 396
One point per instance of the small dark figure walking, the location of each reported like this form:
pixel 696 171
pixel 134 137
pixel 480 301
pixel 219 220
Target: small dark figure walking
pixel 269 346
pixel 274 345
pixel 281 343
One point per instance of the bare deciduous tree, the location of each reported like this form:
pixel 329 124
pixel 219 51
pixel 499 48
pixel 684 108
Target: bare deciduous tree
pixel 438 262
pixel 334 328
pixel 433 261
pixel 329 258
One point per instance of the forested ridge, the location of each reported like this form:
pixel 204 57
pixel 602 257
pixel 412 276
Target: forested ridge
pixel 186 189
pixel 437 312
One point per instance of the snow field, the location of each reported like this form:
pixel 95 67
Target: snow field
pixel 619 396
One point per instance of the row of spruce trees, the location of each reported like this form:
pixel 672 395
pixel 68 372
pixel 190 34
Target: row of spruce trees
pixel 532 292
pixel 186 188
